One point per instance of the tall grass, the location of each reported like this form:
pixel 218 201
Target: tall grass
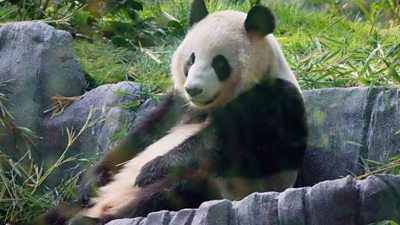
pixel 324 48
pixel 23 190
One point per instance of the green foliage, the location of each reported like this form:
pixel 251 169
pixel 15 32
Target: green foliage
pixel 103 63
pixel 374 167
pixel 117 20
pixel 23 183
pixel 23 194
pixel 329 50
pixel 386 222
pixel 323 49
pixel 382 11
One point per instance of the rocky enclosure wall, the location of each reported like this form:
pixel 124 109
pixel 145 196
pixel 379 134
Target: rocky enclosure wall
pixel 338 202
pixel 346 127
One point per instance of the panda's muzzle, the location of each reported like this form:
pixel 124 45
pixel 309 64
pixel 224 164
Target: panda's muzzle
pixel 193 91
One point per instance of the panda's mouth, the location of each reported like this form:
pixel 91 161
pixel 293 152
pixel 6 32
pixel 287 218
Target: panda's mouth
pixel 204 103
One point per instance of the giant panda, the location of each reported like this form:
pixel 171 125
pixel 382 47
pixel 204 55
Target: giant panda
pixel 233 124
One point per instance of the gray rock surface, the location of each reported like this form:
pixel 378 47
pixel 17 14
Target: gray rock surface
pixel 337 202
pixel 109 122
pixel 346 127
pixel 40 61
pixel 109 118
pixel 383 137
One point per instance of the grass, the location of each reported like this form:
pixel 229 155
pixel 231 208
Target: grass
pixel 323 49
pixel 103 63
pixel 23 190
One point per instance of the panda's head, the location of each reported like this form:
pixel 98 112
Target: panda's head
pixel 223 54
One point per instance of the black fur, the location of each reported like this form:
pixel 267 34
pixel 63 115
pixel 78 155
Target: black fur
pixel 189 63
pixel 197 12
pixel 221 67
pixel 260 20
pixel 267 122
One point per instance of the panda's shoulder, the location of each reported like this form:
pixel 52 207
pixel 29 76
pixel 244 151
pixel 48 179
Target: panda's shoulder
pixel 266 92
pixel 276 87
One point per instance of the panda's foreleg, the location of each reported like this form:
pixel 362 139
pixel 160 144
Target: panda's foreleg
pixel 153 126
pixel 172 180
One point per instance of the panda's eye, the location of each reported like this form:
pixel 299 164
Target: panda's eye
pixel 189 63
pixel 221 67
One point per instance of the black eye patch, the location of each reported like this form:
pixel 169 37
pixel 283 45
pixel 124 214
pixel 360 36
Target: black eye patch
pixel 189 63
pixel 221 67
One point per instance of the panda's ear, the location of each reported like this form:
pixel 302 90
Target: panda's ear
pixel 198 11
pixel 260 20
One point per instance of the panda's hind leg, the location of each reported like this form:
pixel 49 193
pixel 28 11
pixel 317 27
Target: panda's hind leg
pixel 169 194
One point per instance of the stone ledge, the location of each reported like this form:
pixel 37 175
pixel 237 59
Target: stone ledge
pixel 337 202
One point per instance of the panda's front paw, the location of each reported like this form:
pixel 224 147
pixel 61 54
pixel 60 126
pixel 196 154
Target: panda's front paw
pixel 96 177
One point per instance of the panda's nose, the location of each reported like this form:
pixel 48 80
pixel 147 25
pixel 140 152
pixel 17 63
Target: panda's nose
pixel 194 91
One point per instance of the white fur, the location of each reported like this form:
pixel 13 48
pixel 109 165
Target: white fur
pixel 251 57
pixel 203 76
pixel 120 191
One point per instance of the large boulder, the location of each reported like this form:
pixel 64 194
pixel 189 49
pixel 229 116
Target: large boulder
pixel 40 64
pixel 111 117
pixel 348 126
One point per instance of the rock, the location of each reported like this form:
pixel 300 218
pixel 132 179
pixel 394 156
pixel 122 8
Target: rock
pixel 40 62
pixel 109 122
pixel 184 217
pixel 384 129
pixel 347 126
pixel 213 212
pixel 161 217
pixel 292 207
pixel 257 208
pixel 337 202
pixel 109 118
pixel 134 221
pixel 337 119
pixel 380 199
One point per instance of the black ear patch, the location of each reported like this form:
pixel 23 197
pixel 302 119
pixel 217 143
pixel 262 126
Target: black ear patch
pixel 198 11
pixel 221 67
pixel 260 20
